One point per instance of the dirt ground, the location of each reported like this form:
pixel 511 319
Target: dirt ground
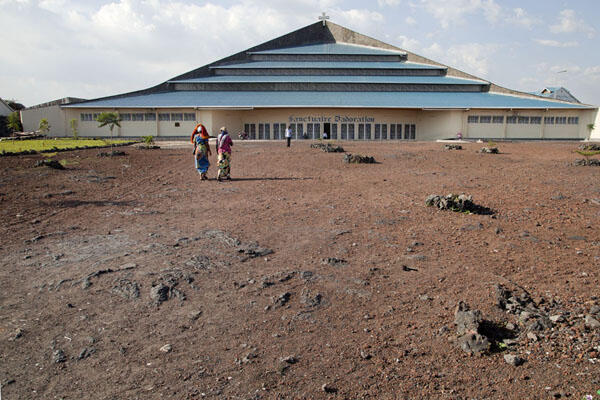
pixel 302 278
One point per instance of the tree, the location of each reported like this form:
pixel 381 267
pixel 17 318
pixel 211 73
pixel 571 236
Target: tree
pixel 14 122
pixel 44 126
pixel 73 123
pixel 111 119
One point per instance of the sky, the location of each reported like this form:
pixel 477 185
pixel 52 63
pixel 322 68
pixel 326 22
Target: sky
pixel 57 48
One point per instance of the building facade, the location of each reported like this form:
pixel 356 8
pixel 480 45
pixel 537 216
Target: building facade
pixel 326 79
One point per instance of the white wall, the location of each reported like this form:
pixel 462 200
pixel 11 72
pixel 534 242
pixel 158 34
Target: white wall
pixel 430 125
pixel 55 116
pixel 595 134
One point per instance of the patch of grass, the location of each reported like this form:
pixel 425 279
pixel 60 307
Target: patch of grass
pixel 39 145
pixel 64 162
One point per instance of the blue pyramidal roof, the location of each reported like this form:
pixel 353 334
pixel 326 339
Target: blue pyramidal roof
pixel 287 72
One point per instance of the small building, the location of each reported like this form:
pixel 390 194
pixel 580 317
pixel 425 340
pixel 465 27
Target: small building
pixel 57 117
pixel 558 93
pixel 5 109
pixel 325 78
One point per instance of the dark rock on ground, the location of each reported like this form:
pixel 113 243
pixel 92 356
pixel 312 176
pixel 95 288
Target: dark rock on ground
pixel 283 299
pixel 49 163
pixel 358 159
pixel 252 250
pixel 58 356
pixel 327 147
pixel 334 261
pixel 159 293
pixel 474 343
pixel 513 360
pixel 587 162
pixel 489 150
pixel 456 202
pixel 126 289
pixel 114 153
pixel 466 320
pixel 86 352
pixel 590 147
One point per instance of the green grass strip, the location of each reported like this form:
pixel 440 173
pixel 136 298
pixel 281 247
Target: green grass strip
pixel 44 145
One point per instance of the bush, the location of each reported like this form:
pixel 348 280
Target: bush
pixel 44 126
pixel 14 122
pixel 73 123
pixel 148 140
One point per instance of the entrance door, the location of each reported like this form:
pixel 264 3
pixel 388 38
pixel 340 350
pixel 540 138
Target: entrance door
pixel 327 130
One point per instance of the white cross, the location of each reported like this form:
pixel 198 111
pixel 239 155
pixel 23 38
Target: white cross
pixel 324 17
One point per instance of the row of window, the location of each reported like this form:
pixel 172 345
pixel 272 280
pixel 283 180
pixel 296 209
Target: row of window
pixel 514 119
pixel 144 116
pixel 346 131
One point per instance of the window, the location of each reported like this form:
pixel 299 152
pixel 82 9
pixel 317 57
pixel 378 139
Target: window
pixel 267 131
pixel 398 131
pixel 485 119
pixel 150 117
pixel 293 129
pixel 384 131
pixel 535 120
pixel 176 116
pixel 300 128
pixel 86 117
pixel 281 131
pixel 96 115
pixel 523 120
pixel 573 120
pixel 334 131
pixel 261 131
pixel 189 117
pixel 361 131
pixel 250 130
pixel 344 132
pixel 392 131
pixel 549 120
pixel 276 131
pixel 511 120
pixel 498 119
pixel 410 131
pixel 164 117
pixel 561 120
pixel 317 131
pixel 377 131
pixel 309 130
pixel 351 131
pixel 137 117
pixel 125 117
pixel 367 131
pixel 473 119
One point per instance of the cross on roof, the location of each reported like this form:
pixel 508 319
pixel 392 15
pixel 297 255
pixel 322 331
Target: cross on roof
pixel 323 17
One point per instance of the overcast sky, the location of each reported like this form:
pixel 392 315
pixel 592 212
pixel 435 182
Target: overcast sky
pixel 56 48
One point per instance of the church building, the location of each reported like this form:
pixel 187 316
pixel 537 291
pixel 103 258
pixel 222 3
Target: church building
pixel 325 78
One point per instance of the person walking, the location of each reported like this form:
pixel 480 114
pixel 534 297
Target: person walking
pixel 288 136
pixel 224 144
pixel 201 150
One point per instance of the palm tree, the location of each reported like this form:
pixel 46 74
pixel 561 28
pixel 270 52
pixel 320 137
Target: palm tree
pixel 111 119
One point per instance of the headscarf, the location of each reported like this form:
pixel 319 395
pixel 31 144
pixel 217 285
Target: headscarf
pixel 201 130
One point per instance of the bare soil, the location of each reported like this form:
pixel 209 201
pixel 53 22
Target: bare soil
pixel 303 277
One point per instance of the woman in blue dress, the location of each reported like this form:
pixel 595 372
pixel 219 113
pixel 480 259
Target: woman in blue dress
pixel 201 150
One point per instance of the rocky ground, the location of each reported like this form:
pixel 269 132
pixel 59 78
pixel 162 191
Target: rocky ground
pixel 305 277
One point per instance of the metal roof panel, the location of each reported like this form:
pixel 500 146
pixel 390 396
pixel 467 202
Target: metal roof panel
pixel 286 99
pixel 331 48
